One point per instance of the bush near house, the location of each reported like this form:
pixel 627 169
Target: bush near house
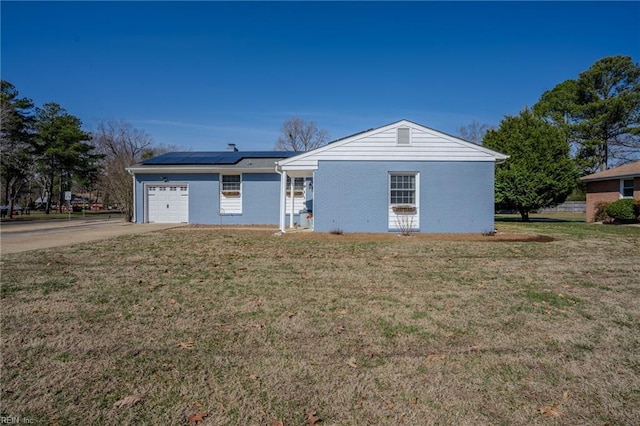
pixel 601 213
pixel 623 210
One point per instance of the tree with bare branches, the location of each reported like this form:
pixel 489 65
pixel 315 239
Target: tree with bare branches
pixel 301 135
pixel 122 146
pixel 474 132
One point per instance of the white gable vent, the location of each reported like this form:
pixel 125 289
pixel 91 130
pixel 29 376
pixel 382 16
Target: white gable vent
pixel 404 136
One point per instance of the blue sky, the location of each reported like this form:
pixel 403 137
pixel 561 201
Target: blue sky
pixel 202 74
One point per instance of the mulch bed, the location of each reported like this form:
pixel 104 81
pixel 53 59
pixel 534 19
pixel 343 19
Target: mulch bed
pixel 364 236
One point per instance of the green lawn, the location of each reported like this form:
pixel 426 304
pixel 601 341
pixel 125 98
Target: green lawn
pixel 254 328
pixel 543 217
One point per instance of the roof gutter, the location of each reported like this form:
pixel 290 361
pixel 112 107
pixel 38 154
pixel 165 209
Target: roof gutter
pixel 195 169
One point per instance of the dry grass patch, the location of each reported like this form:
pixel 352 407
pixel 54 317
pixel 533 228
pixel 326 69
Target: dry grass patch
pixel 253 328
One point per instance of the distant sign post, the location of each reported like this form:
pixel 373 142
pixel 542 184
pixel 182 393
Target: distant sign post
pixel 67 197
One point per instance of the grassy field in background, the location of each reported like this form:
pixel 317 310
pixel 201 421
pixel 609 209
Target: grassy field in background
pixel 256 329
pixel 544 217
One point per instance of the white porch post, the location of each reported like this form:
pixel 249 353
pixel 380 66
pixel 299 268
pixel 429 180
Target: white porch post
pixel 283 201
pixel 133 219
pixel 292 202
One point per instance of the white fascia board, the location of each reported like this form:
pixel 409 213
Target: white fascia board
pixel 303 168
pixel 315 166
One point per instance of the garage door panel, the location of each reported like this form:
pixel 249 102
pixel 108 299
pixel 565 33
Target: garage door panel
pixel 168 203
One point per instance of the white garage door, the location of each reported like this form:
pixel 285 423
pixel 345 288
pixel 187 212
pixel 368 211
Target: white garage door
pixel 168 203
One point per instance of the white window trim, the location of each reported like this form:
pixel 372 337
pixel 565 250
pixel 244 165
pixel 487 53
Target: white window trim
pixel 622 188
pixel 401 215
pixel 230 204
pixel 416 190
pixel 222 183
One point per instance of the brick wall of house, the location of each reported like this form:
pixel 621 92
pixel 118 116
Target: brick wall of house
pixel 606 191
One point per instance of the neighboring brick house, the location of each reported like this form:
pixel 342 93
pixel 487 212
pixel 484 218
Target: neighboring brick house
pixel 611 185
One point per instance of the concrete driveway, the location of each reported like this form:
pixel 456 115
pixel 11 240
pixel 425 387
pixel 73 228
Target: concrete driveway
pixel 24 236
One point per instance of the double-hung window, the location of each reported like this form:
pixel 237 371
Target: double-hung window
pixel 230 183
pixel 402 189
pixel 298 186
pixel 626 188
pixel 230 194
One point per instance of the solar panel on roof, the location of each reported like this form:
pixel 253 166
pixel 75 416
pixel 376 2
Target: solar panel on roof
pixel 214 158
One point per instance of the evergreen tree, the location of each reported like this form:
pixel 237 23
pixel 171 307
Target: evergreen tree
pixel 62 152
pixel 15 142
pixel 539 172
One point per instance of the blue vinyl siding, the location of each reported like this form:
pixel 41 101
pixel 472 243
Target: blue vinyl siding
pixel 455 197
pixel 260 195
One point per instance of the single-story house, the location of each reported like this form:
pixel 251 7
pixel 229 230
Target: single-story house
pixel 611 185
pixel 402 176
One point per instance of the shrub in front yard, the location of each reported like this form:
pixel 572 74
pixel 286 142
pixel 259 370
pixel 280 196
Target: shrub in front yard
pixel 622 210
pixel 601 213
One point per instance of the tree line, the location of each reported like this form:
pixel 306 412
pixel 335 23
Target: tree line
pixel 581 126
pixel 46 152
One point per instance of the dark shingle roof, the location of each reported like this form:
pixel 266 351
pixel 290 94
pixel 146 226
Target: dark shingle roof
pixel 214 158
pixel 628 170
